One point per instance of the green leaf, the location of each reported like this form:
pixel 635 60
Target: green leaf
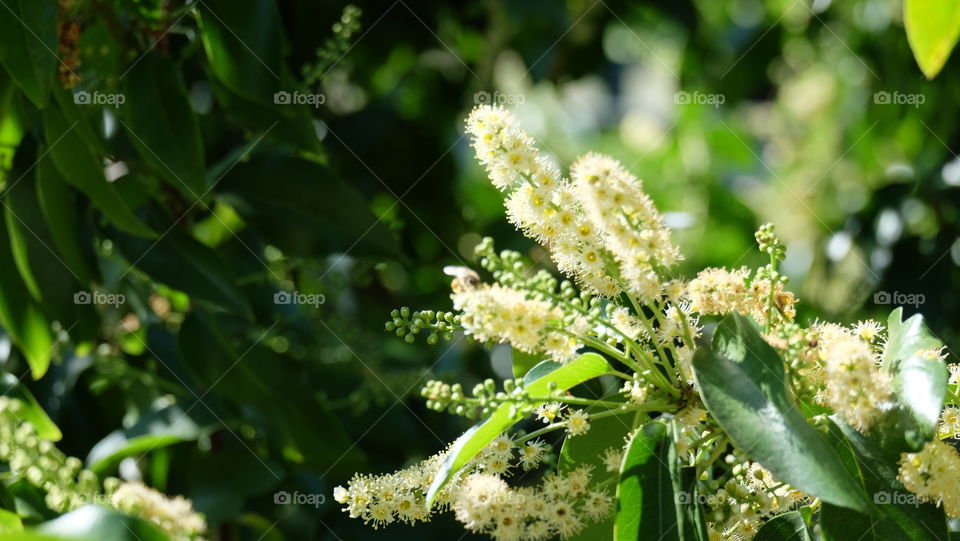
pixel 523 362
pixel 183 263
pixel 583 368
pixel 163 126
pixel 28 49
pixel 933 27
pixel 31 410
pixel 78 164
pixel 243 42
pixel 61 206
pixel 919 380
pixel 657 497
pixel 94 522
pixel 305 211
pixel 645 499
pixel 47 276
pixel 21 315
pixel 741 379
pixel 10 522
pixel 895 512
pixel 155 430
pixel 290 124
pixel 786 527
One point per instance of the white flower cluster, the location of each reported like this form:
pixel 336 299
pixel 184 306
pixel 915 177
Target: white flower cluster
pixel 495 313
pixel 600 227
pixel 856 387
pixel 629 225
pixel 933 474
pixel 480 497
pixel 723 291
pixel 175 516
pixel 562 506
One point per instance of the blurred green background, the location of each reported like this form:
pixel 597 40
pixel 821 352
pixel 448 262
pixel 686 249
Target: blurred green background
pixel 810 115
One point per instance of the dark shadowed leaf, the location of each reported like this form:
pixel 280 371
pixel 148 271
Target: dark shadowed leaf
pixel 28 49
pixel 163 126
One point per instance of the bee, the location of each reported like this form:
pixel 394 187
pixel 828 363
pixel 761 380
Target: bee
pixel 463 278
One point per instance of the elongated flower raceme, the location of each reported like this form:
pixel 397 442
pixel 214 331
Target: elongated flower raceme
pixel 629 224
pixel 539 202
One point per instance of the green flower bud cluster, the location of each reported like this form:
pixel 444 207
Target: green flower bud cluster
pixel 770 243
pixel 334 47
pixel 483 399
pixel 407 324
pixel 66 483
pixel 511 269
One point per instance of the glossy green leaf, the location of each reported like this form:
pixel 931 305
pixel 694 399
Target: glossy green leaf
pixel 10 522
pixel 155 430
pixel 586 367
pixel 657 496
pixel 21 315
pixel 741 379
pixel 645 500
pixel 183 263
pixel 919 379
pixel 28 49
pixel 31 410
pixel 305 211
pixel 163 126
pixel 94 522
pixel 786 527
pixel 933 27
pixel 78 164
pixel 243 42
pixel 895 512
pixel 523 362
